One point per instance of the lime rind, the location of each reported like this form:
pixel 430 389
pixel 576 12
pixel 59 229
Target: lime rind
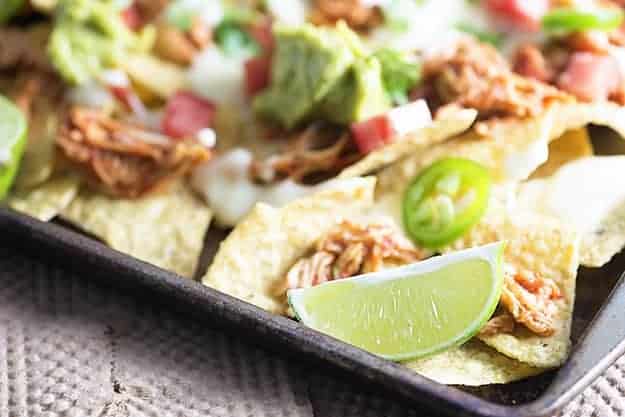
pixel 13 132
pixel 491 253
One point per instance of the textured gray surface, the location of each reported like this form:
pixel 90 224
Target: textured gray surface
pixel 69 347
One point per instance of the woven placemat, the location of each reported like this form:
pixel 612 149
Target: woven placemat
pixel 69 347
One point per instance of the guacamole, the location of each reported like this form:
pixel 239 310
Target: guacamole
pixel 321 73
pixel 358 95
pixel 89 36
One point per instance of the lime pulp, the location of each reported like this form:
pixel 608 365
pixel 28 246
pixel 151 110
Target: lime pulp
pixel 411 311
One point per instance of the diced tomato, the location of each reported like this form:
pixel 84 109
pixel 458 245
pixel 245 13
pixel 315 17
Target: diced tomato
pixel 372 133
pixel 186 114
pixel 382 129
pixel 132 17
pixel 262 33
pixel 521 14
pixel 590 77
pixel 257 74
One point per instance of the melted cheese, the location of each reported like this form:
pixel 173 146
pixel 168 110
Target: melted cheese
pixel 432 25
pixel 289 12
pixel 217 77
pixel 226 185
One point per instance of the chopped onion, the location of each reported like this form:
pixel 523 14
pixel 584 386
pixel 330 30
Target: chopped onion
pixel 207 137
pixel 289 12
pixel 114 78
pixel 410 117
pixel 226 185
pixel 91 94
pixel 218 77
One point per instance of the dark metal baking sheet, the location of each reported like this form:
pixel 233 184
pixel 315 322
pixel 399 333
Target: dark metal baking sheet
pixel 597 345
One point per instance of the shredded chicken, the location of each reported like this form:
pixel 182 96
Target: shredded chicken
pixel 356 14
pixel 530 299
pixel 181 47
pixel 123 159
pixel 24 49
pixel 477 76
pixel 500 323
pixel 39 95
pixel 318 150
pixel 150 10
pixel 530 62
pixel 597 42
pixel 550 62
pixel 25 92
pixel 350 249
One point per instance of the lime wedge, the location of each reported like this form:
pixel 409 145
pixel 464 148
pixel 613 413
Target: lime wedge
pixel 12 143
pixel 411 311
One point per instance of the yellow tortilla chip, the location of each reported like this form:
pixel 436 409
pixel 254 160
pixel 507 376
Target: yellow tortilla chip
pixel 448 125
pixel 472 364
pixel 600 245
pixel 586 193
pixel 511 148
pixel 578 115
pixel 573 145
pixel 254 259
pixel 160 77
pixel 46 200
pixel 166 230
pixel 513 152
pixel 542 245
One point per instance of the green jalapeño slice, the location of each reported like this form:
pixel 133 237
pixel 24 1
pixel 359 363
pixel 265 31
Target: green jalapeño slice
pixel 445 200
pixel 579 20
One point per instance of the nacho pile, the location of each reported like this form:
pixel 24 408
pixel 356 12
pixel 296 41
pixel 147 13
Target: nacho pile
pixel 335 138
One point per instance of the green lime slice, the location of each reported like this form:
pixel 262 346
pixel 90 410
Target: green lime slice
pixel 411 311
pixel 12 142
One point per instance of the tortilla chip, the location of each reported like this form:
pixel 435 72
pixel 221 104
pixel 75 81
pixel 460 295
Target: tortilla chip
pixel 160 77
pixel 511 148
pixel 46 200
pixel 254 259
pixel 574 116
pixel 472 364
pixel 573 145
pixel 166 230
pixel 600 245
pixel 448 125
pixel 539 244
pixel 514 151
pixel 564 195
